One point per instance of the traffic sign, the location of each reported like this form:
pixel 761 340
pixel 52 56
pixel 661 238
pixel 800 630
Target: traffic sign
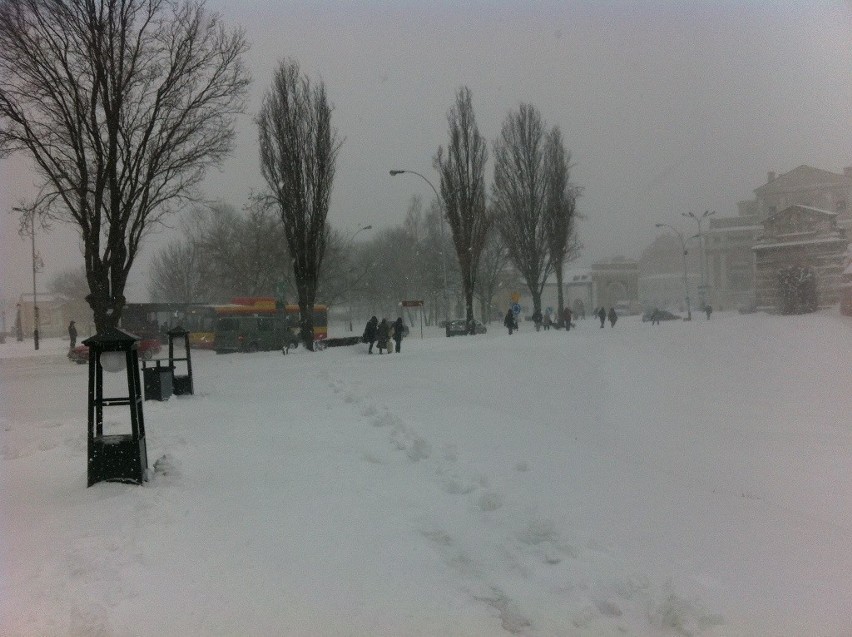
pixel 516 309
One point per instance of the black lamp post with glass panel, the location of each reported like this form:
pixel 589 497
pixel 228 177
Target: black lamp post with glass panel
pixel 119 457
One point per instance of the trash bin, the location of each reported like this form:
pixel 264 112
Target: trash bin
pixel 157 381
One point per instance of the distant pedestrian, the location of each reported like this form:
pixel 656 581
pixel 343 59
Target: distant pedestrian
pixel 602 315
pixel 382 335
pixel 567 316
pixel 613 317
pixel 537 319
pixel 398 329
pixel 370 333
pixel 655 317
pixel 72 334
pixel 509 321
pixel 548 321
pixel 709 310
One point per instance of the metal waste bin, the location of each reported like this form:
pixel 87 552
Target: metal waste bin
pixel 157 380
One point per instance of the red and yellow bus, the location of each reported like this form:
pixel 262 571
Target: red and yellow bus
pixel 267 332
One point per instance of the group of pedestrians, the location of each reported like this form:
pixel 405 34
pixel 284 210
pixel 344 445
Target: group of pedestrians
pixel 603 315
pixel 384 335
pixel 546 321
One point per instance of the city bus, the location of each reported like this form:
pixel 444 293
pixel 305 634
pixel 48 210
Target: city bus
pixel 250 324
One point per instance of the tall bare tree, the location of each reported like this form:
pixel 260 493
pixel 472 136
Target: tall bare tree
pixel 520 181
pixel 462 174
pixel 560 210
pixel 492 263
pixel 298 150
pixel 121 105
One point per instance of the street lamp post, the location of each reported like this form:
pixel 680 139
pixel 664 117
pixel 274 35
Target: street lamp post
pixel 698 219
pixel 348 278
pixel 32 213
pixel 394 173
pixel 685 276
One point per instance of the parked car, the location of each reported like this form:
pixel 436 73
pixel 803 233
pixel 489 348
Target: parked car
pixel 662 315
pixel 458 327
pixel 147 349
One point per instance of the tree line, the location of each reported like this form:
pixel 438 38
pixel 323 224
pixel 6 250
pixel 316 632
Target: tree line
pixel 122 105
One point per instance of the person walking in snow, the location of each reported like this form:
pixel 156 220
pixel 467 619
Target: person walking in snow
pixel 709 310
pixel 72 334
pixel 613 317
pixel 382 335
pixel 602 315
pixel 398 329
pixel 509 321
pixel 370 332
pixel 566 318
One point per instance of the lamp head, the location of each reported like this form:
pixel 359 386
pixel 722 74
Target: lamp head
pixel 113 361
pixel 394 173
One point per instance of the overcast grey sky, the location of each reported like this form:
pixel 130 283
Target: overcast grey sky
pixel 665 106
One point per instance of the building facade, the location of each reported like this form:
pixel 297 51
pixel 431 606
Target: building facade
pixel 799 260
pixel 729 240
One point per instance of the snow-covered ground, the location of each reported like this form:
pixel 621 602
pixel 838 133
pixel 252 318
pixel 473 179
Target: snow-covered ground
pixel 682 479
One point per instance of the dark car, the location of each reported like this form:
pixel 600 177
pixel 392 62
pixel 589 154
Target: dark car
pixel 458 327
pixel 662 315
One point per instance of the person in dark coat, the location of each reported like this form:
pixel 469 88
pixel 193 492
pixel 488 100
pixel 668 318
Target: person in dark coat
pixel 509 321
pixel 613 317
pixel 566 318
pixel 370 332
pixel 398 329
pixel 72 334
pixel 709 310
pixel 602 315
pixel 382 335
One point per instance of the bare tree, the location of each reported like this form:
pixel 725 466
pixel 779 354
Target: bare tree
pixel 70 284
pixel 492 263
pixel 122 105
pixel 298 150
pixel 520 181
pixel 463 191
pixel 560 210
pixel 175 275
pixel 223 253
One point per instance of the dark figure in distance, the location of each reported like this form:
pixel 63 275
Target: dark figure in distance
pixel 655 317
pixel 397 333
pixel 709 310
pixel 537 318
pixel 602 315
pixel 382 335
pixel 72 334
pixel 370 333
pixel 613 317
pixel 566 317
pixel 509 321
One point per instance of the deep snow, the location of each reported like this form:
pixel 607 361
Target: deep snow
pixel 682 479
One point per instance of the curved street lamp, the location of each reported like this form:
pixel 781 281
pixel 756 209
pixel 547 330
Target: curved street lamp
pixel 394 173
pixel 348 278
pixel 698 219
pixel 685 252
